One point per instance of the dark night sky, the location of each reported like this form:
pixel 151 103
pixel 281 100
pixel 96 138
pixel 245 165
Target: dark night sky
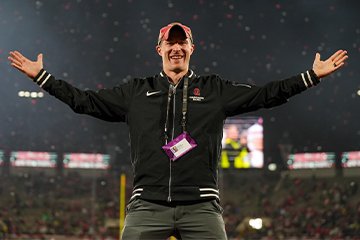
pixel 95 44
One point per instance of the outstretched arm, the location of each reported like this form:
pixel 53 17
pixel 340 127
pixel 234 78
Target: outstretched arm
pixel 23 64
pixel 330 65
pixel 107 104
pixel 240 98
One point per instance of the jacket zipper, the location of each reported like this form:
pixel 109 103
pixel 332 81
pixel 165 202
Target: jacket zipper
pixel 172 138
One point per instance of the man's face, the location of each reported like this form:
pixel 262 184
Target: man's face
pixel 176 51
pixel 232 132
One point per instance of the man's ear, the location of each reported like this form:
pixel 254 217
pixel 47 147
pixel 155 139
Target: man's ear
pixel 158 49
pixel 192 49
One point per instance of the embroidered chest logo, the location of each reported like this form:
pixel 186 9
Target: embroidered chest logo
pixel 197 96
pixel 196 91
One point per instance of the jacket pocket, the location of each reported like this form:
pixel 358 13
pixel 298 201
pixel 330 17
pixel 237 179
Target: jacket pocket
pixel 217 206
pixel 132 205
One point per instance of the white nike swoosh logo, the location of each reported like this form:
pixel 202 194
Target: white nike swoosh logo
pixel 152 93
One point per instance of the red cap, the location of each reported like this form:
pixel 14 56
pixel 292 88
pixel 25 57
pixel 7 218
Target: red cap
pixel 164 32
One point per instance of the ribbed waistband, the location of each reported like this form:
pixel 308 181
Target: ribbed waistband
pixel 181 194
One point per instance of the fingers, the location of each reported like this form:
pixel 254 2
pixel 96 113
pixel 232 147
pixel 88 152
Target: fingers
pixel 17 66
pixel 16 58
pixel 19 56
pixel 340 59
pixel 14 61
pixel 338 66
pixel 336 54
pixel 317 57
pixel 339 56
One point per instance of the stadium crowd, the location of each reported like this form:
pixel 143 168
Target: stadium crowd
pixel 34 206
pixel 296 209
pixel 40 206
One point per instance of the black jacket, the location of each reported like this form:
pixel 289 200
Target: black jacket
pixel 142 103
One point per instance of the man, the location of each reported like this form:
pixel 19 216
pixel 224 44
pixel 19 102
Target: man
pixel 175 120
pixel 235 152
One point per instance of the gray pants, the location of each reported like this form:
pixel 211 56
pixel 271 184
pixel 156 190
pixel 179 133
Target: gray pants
pixel 148 220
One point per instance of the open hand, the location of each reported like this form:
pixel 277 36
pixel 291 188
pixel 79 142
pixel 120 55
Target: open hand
pixel 30 68
pixel 330 65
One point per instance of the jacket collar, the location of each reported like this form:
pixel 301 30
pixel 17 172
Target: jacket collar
pixel 190 74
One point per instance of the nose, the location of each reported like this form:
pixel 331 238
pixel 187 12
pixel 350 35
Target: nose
pixel 176 47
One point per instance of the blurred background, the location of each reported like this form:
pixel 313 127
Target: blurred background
pixel 306 187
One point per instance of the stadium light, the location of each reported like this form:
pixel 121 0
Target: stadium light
pixel 33 94
pixel 28 94
pixel 256 223
pixel 272 166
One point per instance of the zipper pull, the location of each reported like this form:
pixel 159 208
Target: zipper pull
pixel 172 89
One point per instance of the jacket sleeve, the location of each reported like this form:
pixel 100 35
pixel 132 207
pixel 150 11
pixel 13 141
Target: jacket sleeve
pixel 106 104
pixel 241 98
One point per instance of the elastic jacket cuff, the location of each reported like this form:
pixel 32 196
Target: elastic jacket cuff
pixel 310 79
pixel 42 77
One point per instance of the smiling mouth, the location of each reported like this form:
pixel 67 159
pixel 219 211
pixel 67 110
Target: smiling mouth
pixel 176 57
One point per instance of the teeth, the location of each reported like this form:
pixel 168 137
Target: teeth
pixel 176 57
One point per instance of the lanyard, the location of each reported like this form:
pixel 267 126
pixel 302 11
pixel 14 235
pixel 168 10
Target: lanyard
pixel 171 91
